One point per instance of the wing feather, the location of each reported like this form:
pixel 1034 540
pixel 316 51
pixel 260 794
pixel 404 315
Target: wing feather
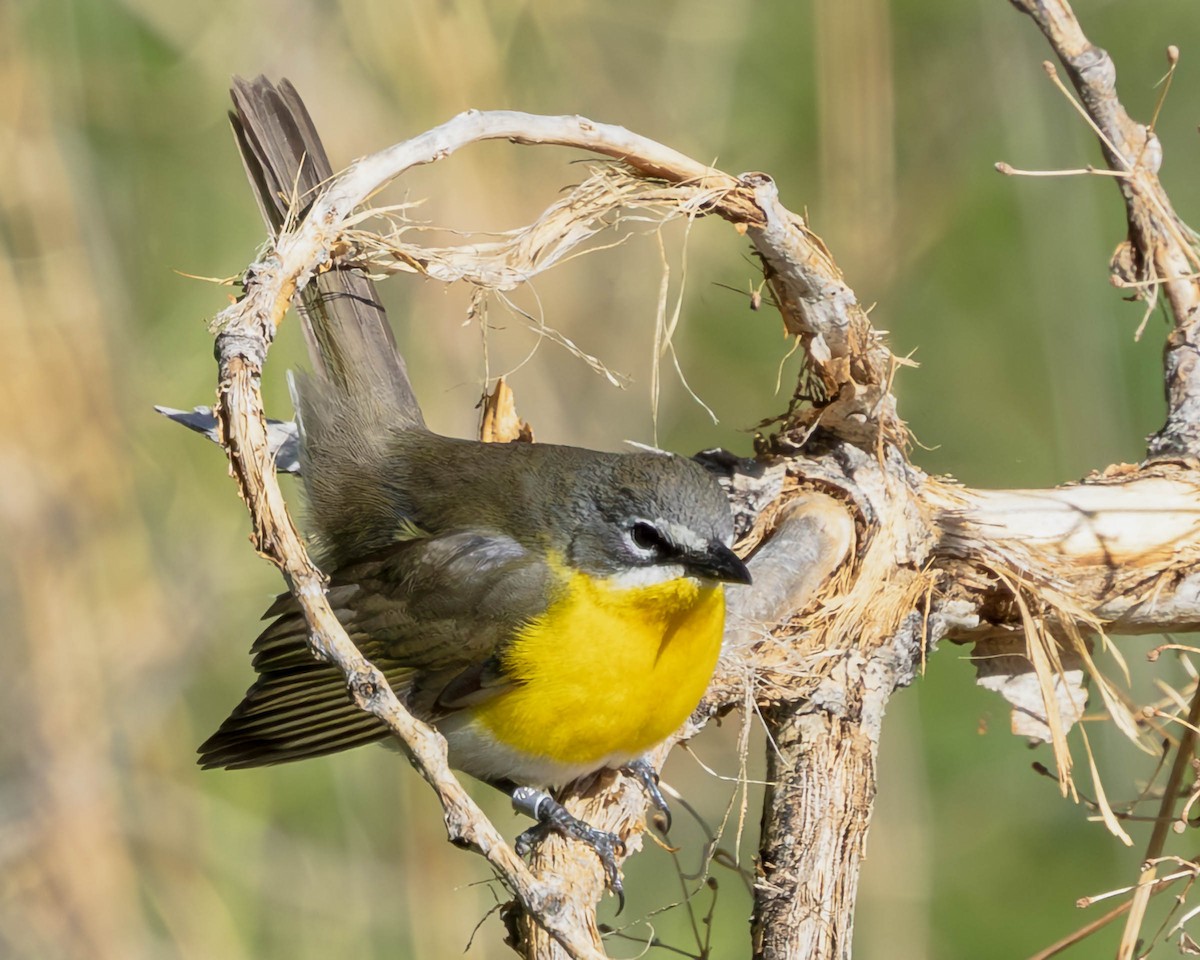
pixel 433 614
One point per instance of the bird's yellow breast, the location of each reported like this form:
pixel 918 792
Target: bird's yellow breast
pixel 607 671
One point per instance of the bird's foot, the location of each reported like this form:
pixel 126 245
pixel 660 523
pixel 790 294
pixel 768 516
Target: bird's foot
pixel 552 816
pixel 647 776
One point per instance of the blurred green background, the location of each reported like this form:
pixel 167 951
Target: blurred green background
pixel 128 590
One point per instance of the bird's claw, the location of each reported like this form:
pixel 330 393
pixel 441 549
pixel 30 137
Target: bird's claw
pixel 647 776
pixel 553 817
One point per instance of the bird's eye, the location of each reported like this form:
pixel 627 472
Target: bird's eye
pixel 645 536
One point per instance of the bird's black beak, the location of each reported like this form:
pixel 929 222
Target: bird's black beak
pixel 718 562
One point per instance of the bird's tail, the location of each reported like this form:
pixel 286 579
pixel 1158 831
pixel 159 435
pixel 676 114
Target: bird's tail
pixel 358 393
pixel 349 341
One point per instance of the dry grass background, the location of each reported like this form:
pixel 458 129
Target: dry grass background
pixel 128 593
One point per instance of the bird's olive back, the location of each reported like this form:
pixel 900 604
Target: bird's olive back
pixel 366 487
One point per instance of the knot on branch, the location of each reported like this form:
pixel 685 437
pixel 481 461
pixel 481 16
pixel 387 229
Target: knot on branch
pixel 366 683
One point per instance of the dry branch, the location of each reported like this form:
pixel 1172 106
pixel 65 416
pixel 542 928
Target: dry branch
pixel 1114 555
pixel 851 364
pixel 1125 549
pixel 1160 251
pixel 861 562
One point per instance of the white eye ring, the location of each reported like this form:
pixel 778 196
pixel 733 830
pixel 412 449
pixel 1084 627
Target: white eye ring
pixel 645 540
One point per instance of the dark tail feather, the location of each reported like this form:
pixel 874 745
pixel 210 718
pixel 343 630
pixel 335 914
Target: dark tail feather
pixel 294 714
pixel 349 341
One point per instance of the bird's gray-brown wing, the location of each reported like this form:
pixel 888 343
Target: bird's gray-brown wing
pixel 432 613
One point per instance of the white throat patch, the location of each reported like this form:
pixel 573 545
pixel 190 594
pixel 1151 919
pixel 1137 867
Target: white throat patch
pixel 649 576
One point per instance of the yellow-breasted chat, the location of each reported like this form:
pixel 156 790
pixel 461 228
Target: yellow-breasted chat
pixel 553 611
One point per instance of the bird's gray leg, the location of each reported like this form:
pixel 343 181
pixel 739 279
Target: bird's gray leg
pixel 553 816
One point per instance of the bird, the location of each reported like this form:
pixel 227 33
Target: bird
pixel 552 611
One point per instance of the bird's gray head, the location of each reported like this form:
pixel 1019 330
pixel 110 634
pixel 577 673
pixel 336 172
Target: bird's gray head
pixel 649 517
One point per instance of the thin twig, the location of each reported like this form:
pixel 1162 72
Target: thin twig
pixel 1158 838
pixel 1098 924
